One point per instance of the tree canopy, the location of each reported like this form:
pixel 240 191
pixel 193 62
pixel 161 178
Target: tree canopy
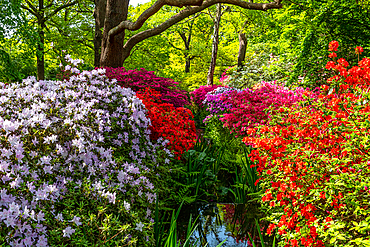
pixel 174 38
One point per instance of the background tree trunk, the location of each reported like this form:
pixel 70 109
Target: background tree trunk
pixel 40 44
pixel 112 47
pixel 242 49
pixel 99 16
pixel 187 48
pixel 40 52
pixel 216 30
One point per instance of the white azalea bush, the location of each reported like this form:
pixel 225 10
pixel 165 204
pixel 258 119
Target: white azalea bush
pixel 75 163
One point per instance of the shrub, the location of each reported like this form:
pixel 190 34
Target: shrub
pixel 173 124
pixel 258 67
pixel 140 79
pixel 199 94
pixel 314 162
pixel 248 108
pixel 76 162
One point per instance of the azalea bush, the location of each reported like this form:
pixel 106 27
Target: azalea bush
pixel 314 161
pixel 176 125
pixel 242 109
pixel 77 166
pixel 139 79
pixel 199 94
pixel 216 106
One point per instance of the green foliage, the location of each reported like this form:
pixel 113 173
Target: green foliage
pixel 260 67
pixel 194 80
pixel 260 235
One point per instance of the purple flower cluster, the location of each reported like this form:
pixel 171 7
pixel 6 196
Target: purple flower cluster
pixel 62 136
pixel 138 80
pixel 214 100
pixel 199 94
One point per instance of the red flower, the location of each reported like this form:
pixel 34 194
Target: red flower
pixel 168 122
pixel 359 50
pixel 333 46
pixel 330 65
pixel 324 87
pixel 343 62
pixel 332 55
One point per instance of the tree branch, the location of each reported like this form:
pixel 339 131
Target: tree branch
pixel 29 10
pixel 59 9
pixel 169 42
pixel 177 18
pixel 35 11
pixel 201 5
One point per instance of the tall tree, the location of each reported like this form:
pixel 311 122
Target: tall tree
pixel 43 11
pixel 216 31
pixel 113 54
pixel 99 16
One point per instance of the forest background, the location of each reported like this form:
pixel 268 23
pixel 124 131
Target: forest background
pixel 289 43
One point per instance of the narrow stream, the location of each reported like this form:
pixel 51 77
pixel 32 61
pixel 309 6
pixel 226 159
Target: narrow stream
pixel 217 222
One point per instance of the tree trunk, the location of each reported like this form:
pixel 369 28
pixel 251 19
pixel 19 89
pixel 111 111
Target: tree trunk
pixel 187 48
pixel 112 48
pixel 242 49
pixel 40 53
pixel 99 16
pixel 212 65
pixel 187 64
pixel 40 45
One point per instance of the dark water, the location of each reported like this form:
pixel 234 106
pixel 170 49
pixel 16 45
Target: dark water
pixel 217 222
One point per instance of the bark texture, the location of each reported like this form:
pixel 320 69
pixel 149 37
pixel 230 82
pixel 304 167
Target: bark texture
pixel 242 49
pixel 99 16
pixel 112 45
pixel 187 48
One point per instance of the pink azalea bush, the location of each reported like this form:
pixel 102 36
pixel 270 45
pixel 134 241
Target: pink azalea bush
pixel 247 108
pixel 139 79
pixel 198 95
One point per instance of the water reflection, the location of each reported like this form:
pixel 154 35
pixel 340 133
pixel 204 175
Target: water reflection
pixel 217 222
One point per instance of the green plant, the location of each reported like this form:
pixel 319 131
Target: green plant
pixel 247 180
pixel 251 171
pixel 171 240
pixel 260 235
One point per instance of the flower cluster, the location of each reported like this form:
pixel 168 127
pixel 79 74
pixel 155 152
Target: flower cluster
pixel 199 94
pixel 140 79
pixel 248 108
pixel 215 102
pixel 313 159
pixel 172 124
pixel 69 149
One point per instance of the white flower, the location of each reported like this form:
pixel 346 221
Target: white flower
pixel 68 232
pixel 126 205
pixel 76 220
pixel 59 217
pixel 139 226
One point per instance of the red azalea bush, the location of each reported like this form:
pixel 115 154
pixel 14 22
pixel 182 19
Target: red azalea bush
pixel 314 162
pixel 140 79
pixel 199 94
pixel 173 124
pixel 249 106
